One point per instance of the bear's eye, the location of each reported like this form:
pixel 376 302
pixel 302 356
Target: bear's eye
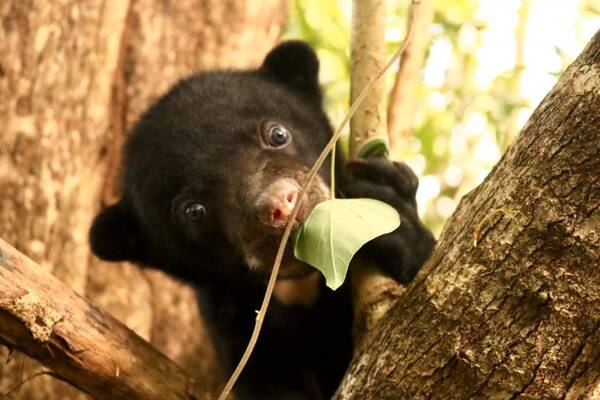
pixel 194 211
pixel 275 135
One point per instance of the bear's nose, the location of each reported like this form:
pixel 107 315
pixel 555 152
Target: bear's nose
pixel 276 203
pixel 283 205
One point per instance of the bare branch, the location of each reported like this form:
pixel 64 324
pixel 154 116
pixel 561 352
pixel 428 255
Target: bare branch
pixel 401 106
pixel 367 57
pixel 45 319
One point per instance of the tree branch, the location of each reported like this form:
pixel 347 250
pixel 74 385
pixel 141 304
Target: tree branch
pixel 373 293
pixel 367 58
pixel 45 319
pixel 401 106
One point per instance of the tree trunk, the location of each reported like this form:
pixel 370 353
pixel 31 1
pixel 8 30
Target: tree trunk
pixel 73 77
pixel 508 305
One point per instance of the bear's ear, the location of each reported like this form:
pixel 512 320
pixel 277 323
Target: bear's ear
pixel 295 64
pixel 114 235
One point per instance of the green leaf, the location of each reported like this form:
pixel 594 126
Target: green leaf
pixel 374 148
pixel 336 229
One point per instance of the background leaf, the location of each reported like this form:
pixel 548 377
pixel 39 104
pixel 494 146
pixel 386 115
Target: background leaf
pixel 336 229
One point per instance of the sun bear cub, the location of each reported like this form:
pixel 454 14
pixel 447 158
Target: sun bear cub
pixel 211 172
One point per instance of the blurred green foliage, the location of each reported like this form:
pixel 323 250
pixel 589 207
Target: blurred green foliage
pixel 488 65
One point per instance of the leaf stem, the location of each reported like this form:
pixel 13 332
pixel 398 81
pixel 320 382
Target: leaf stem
pixel 288 229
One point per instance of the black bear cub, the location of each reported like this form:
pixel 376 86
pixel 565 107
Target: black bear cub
pixel 211 172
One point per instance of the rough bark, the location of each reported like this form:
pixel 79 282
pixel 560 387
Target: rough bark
pixel 45 319
pixel 73 76
pixel 508 306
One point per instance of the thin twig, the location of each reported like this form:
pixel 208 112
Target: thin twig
pixel 288 229
pixel 9 392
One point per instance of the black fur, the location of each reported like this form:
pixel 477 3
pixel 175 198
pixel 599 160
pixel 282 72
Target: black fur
pixel 200 143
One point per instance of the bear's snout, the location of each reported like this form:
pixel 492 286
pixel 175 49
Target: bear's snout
pixel 276 203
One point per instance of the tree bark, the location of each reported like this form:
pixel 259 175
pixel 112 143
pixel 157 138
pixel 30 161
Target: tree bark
pixel 47 320
pixel 73 77
pixel 508 305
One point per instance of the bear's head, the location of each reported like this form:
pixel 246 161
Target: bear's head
pixel 213 169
